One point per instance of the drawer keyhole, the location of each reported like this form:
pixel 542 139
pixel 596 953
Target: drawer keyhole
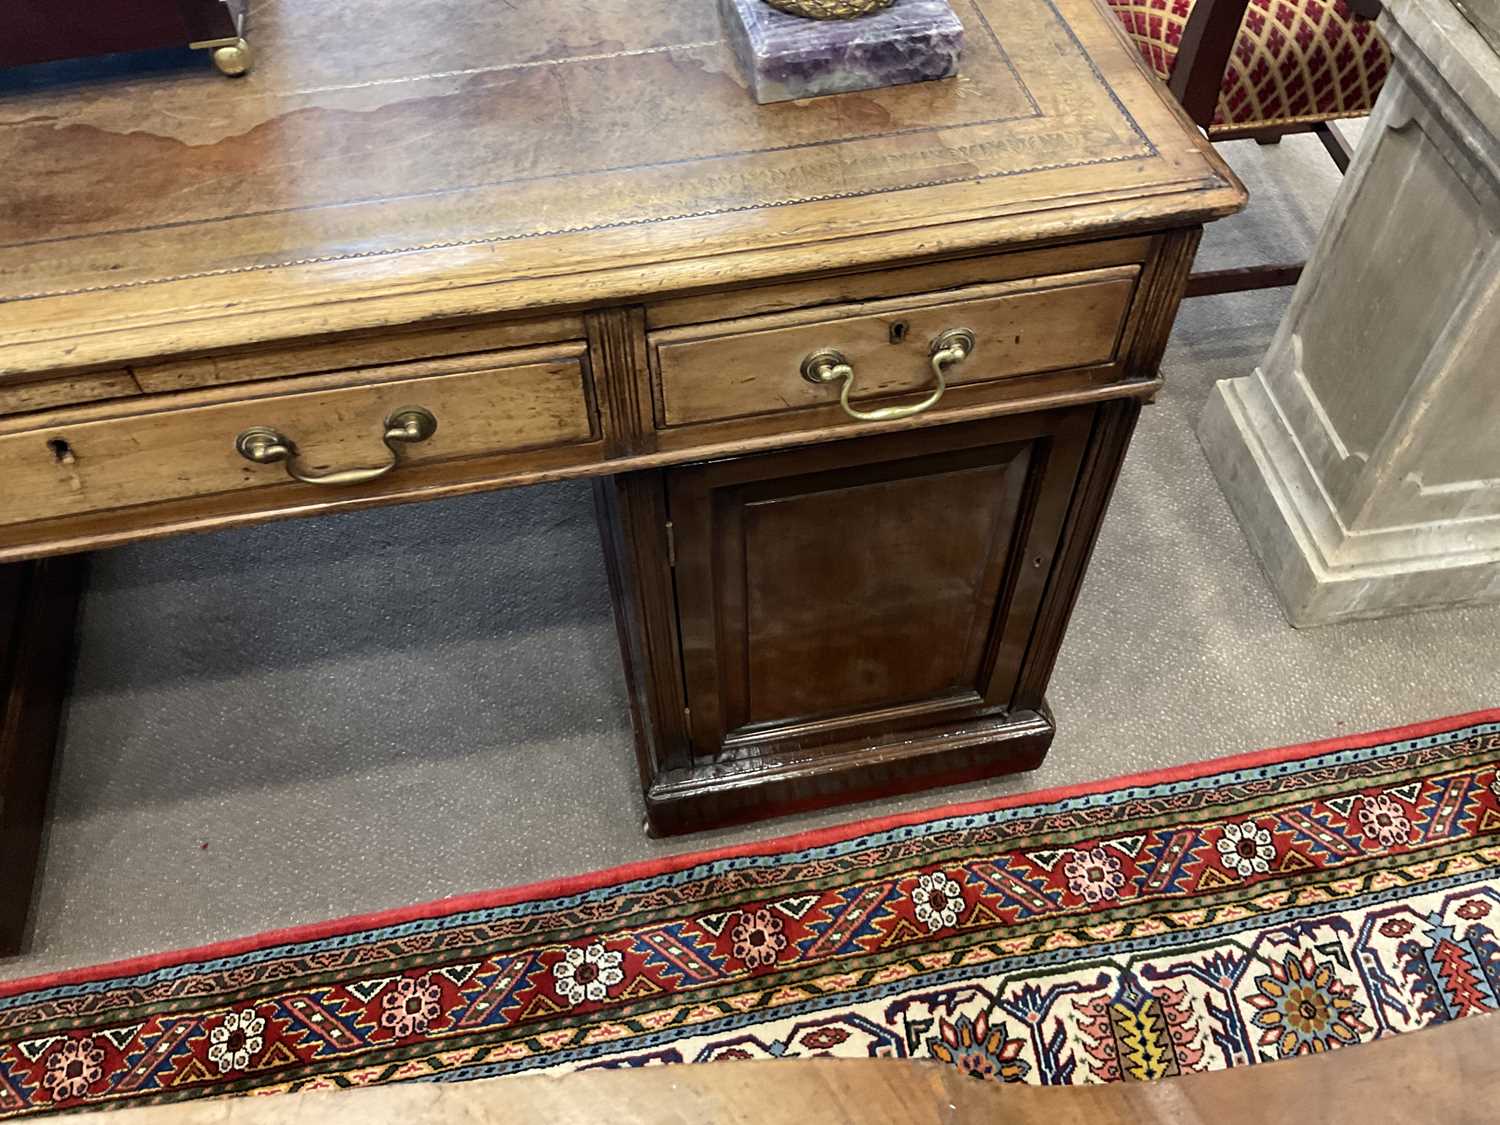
pixel 899 329
pixel 61 450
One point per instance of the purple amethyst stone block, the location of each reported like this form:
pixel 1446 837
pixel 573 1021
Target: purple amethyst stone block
pixel 786 57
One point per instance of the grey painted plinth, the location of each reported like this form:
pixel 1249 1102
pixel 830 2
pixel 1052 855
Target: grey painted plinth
pixel 785 57
pixel 1362 457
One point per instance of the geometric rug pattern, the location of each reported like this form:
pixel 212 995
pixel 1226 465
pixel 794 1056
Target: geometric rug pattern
pixel 1282 903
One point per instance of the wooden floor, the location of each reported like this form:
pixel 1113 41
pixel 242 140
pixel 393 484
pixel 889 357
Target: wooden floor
pixel 1445 1076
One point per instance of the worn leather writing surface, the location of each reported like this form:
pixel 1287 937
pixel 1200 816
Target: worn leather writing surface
pixel 396 162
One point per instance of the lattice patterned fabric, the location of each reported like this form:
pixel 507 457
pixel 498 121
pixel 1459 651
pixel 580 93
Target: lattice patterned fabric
pixel 1303 60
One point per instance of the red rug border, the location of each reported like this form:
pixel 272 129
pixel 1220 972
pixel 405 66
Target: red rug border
pixel 642 869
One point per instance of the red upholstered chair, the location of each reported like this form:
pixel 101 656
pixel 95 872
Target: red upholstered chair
pixel 1262 69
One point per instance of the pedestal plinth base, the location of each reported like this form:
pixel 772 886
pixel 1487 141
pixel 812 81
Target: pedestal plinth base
pixel 785 57
pixel 1321 572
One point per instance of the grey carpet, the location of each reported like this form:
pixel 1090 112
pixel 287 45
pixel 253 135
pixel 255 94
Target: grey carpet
pixel 317 718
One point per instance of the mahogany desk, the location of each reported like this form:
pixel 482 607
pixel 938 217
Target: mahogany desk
pixel 444 246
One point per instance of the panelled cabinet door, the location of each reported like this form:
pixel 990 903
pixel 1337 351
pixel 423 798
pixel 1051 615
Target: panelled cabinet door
pixel 839 595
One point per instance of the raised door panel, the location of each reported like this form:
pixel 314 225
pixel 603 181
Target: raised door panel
pixel 840 594
pixel 863 593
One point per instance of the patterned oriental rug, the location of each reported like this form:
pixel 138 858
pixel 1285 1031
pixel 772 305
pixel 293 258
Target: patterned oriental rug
pixel 1281 903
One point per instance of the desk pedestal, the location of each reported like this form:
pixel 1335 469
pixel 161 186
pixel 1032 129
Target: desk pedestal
pixel 853 620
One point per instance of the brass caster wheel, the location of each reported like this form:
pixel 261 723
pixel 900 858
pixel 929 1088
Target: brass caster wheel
pixel 234 59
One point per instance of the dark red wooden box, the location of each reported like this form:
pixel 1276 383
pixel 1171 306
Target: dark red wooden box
pixel 33 31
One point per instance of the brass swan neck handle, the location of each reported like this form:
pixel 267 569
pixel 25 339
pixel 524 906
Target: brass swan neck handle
pixel 265 446
pixel 828 366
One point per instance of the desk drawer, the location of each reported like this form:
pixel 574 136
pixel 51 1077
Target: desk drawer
pixel 174 447
pixel 753 366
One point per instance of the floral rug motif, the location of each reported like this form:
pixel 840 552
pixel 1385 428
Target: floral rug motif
pixel 1282 903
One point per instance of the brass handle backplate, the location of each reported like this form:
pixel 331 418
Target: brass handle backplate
pixel 827 366
pixel 266 446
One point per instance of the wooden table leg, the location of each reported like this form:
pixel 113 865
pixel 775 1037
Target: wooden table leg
pixel 38 611
pixel 634 528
